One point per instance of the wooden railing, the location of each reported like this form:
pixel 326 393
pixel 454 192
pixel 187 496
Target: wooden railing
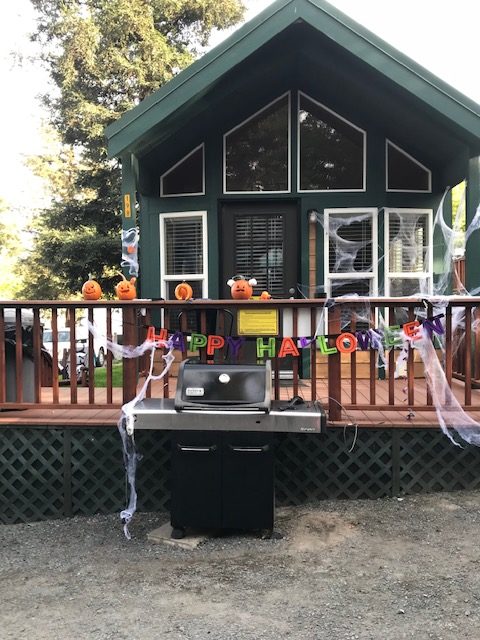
pixel 31 378
pixel 458 351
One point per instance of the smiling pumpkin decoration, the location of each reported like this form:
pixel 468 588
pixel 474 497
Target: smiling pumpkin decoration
pixel 91 290
pixel 126 289
pixel 241 288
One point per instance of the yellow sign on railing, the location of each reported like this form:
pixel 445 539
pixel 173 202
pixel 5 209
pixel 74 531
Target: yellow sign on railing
pixel 258 322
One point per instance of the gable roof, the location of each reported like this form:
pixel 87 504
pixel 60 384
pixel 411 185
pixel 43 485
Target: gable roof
pixel 124 134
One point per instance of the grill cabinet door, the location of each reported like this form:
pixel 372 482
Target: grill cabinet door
pixel 196 479
pixel 248 480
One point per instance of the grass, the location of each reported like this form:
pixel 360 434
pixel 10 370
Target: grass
pixel 117 375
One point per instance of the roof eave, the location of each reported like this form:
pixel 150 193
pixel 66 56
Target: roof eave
pixel 335 25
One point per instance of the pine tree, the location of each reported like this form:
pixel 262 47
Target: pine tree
pixel 104 57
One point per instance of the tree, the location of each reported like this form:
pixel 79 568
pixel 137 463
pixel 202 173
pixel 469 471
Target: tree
pixel 10 250
pixel 104 57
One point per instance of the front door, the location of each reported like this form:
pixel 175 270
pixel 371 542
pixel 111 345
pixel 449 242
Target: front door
pixel 260 240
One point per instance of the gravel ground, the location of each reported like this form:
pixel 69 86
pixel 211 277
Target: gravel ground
pixel 385 569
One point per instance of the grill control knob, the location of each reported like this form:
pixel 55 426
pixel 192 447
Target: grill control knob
pixel 224 378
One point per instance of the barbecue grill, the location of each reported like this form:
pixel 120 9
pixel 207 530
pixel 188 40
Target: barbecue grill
pixel 222 421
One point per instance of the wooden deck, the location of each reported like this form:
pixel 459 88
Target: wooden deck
pixel 368 416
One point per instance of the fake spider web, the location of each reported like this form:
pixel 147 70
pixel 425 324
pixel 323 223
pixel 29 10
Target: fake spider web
pixel 351 260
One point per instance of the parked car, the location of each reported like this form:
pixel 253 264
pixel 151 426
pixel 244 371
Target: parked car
pixel 63 341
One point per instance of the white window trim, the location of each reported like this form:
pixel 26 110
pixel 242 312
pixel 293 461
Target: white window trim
pixel 415 161
pixel 346 275
pixel 193 277
pixel 337 115
pixel 406 275
pixel 225 135
pixel 185 195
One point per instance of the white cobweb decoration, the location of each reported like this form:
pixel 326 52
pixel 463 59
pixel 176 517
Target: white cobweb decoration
pixel 408 252
pixel 125 423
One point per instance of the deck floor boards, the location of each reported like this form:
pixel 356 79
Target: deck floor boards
pixel 83 414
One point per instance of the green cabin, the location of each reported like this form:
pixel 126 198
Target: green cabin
pixel 303 151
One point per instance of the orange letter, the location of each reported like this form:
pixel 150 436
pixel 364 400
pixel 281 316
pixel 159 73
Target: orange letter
pixel 288 348
pixel 348 338
pixel 410 329
pixel 153 337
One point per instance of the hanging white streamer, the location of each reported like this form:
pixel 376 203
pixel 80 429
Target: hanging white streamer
pixel 126 421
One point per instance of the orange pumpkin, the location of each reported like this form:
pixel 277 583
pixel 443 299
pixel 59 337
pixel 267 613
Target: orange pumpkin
pixel 241 288
pixel 183 291
pixel 265 295
pixel 125 289
pixel 91 290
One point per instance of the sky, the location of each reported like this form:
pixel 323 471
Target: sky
pixel 441 35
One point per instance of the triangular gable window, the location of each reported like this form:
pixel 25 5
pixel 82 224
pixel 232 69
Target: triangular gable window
pixel 256 152
pixel 186 177
pixel 331 149
pixel 404 173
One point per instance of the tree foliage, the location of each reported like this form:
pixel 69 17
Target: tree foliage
pixel 104 57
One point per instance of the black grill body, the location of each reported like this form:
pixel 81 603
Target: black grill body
pixel 222 480
pixel 222 424
pixel 227 386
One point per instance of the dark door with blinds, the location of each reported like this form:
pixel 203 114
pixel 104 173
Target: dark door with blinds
pixel 260 241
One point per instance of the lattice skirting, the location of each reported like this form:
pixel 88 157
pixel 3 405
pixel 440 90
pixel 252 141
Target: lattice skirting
pixel 56 472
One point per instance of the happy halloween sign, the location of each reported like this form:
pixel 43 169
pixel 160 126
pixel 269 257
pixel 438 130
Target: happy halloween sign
pixel 345 342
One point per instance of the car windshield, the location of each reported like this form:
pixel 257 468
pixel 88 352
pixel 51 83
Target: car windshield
pixel 63 336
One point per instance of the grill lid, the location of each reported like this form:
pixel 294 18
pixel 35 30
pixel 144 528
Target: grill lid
pixel 224 386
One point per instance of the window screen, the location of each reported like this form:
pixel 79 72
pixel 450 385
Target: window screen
pixel 183 245
pixel 404 173
pixel 351 256
pixel 182 252
pixel 408 252
pixel 408 242
pixel 186 177
pixel 257 152
pixel 350 243
pixel 331 150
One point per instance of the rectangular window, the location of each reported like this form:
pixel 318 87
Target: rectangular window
pixel 183 246
pixel 409 256
pixel 351 252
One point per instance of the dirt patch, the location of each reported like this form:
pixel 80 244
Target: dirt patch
pixel 385 569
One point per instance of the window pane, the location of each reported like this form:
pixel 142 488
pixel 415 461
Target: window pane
pixel 185 178
pixel 403 287
pixel 331 150
pixel 408 242
pixel 259 251
pixel 184 245
pixel 360 287
pixel 350 243
pixel 404 174
pixel 257 152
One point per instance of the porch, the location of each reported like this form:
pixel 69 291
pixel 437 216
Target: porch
pixel 355 388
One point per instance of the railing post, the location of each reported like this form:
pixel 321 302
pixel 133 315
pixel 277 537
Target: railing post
pixel 129 364
pixel 334 367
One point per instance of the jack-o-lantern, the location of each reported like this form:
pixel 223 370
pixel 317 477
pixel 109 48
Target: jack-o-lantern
pixel 241 288
pixel 91 290
pixel 183 291
pixel 125 289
